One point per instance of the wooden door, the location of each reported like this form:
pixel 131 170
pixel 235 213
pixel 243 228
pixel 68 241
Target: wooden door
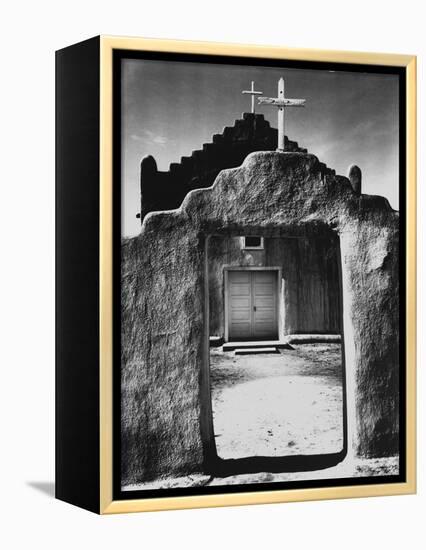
pixel 252 305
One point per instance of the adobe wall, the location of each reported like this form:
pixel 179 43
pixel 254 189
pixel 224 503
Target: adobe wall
pixel 166 408
pixel 166 190
pixel 310 280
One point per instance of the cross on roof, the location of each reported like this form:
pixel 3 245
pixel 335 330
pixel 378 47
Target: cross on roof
pixel 253 93
pixel 281 102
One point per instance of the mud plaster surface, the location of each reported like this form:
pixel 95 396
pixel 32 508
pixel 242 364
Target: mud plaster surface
pixel 166 427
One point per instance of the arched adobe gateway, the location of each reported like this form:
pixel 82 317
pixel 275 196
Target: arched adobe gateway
pixel 166 408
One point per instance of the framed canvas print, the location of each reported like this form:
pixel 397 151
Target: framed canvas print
pixel 235 274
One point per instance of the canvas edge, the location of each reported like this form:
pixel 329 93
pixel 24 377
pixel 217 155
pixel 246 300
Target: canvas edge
pixel 76 276
pixel 107 505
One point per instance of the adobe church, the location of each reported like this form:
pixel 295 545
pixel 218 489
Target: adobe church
pixel 300 277
pixel 244 241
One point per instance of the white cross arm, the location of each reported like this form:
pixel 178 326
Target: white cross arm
pixel 281 102
pixel 251 92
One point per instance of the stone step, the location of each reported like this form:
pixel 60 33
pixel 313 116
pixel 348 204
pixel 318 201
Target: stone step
pixel 217 138
pixel 255 351
pixel 215 341
pixel 231 346
pixel 314 338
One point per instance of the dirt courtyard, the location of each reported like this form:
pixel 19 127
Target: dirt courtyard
pixel 278 404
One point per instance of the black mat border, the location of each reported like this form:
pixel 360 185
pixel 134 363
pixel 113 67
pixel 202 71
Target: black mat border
pixel 118 56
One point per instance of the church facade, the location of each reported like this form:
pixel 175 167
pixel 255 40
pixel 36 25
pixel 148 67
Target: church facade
pixel 260 287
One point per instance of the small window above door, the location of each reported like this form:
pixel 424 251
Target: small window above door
pixel 252 243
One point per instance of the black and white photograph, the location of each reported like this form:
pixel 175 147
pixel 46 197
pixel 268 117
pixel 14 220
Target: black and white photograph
pixel 213 256
pixel 260 257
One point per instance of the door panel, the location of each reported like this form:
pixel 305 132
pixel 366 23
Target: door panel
pixel 252 305
pixel 264 290
pixel 240 300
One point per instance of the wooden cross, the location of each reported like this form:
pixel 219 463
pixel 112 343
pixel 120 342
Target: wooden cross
pixel 253 93
pixel 281 102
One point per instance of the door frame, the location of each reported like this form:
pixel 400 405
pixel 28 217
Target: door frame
pixel 280 283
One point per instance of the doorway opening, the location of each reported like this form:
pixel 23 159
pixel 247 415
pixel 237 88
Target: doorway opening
pixel 277 374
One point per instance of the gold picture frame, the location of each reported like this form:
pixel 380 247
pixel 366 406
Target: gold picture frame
pixel 107 504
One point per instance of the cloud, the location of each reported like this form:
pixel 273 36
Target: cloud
pixel 150 137
pixel 161 140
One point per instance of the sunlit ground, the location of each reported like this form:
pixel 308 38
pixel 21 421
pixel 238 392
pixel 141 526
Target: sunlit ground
pixel 278 404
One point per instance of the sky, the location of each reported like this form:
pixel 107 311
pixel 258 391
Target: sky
pixel 171 108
